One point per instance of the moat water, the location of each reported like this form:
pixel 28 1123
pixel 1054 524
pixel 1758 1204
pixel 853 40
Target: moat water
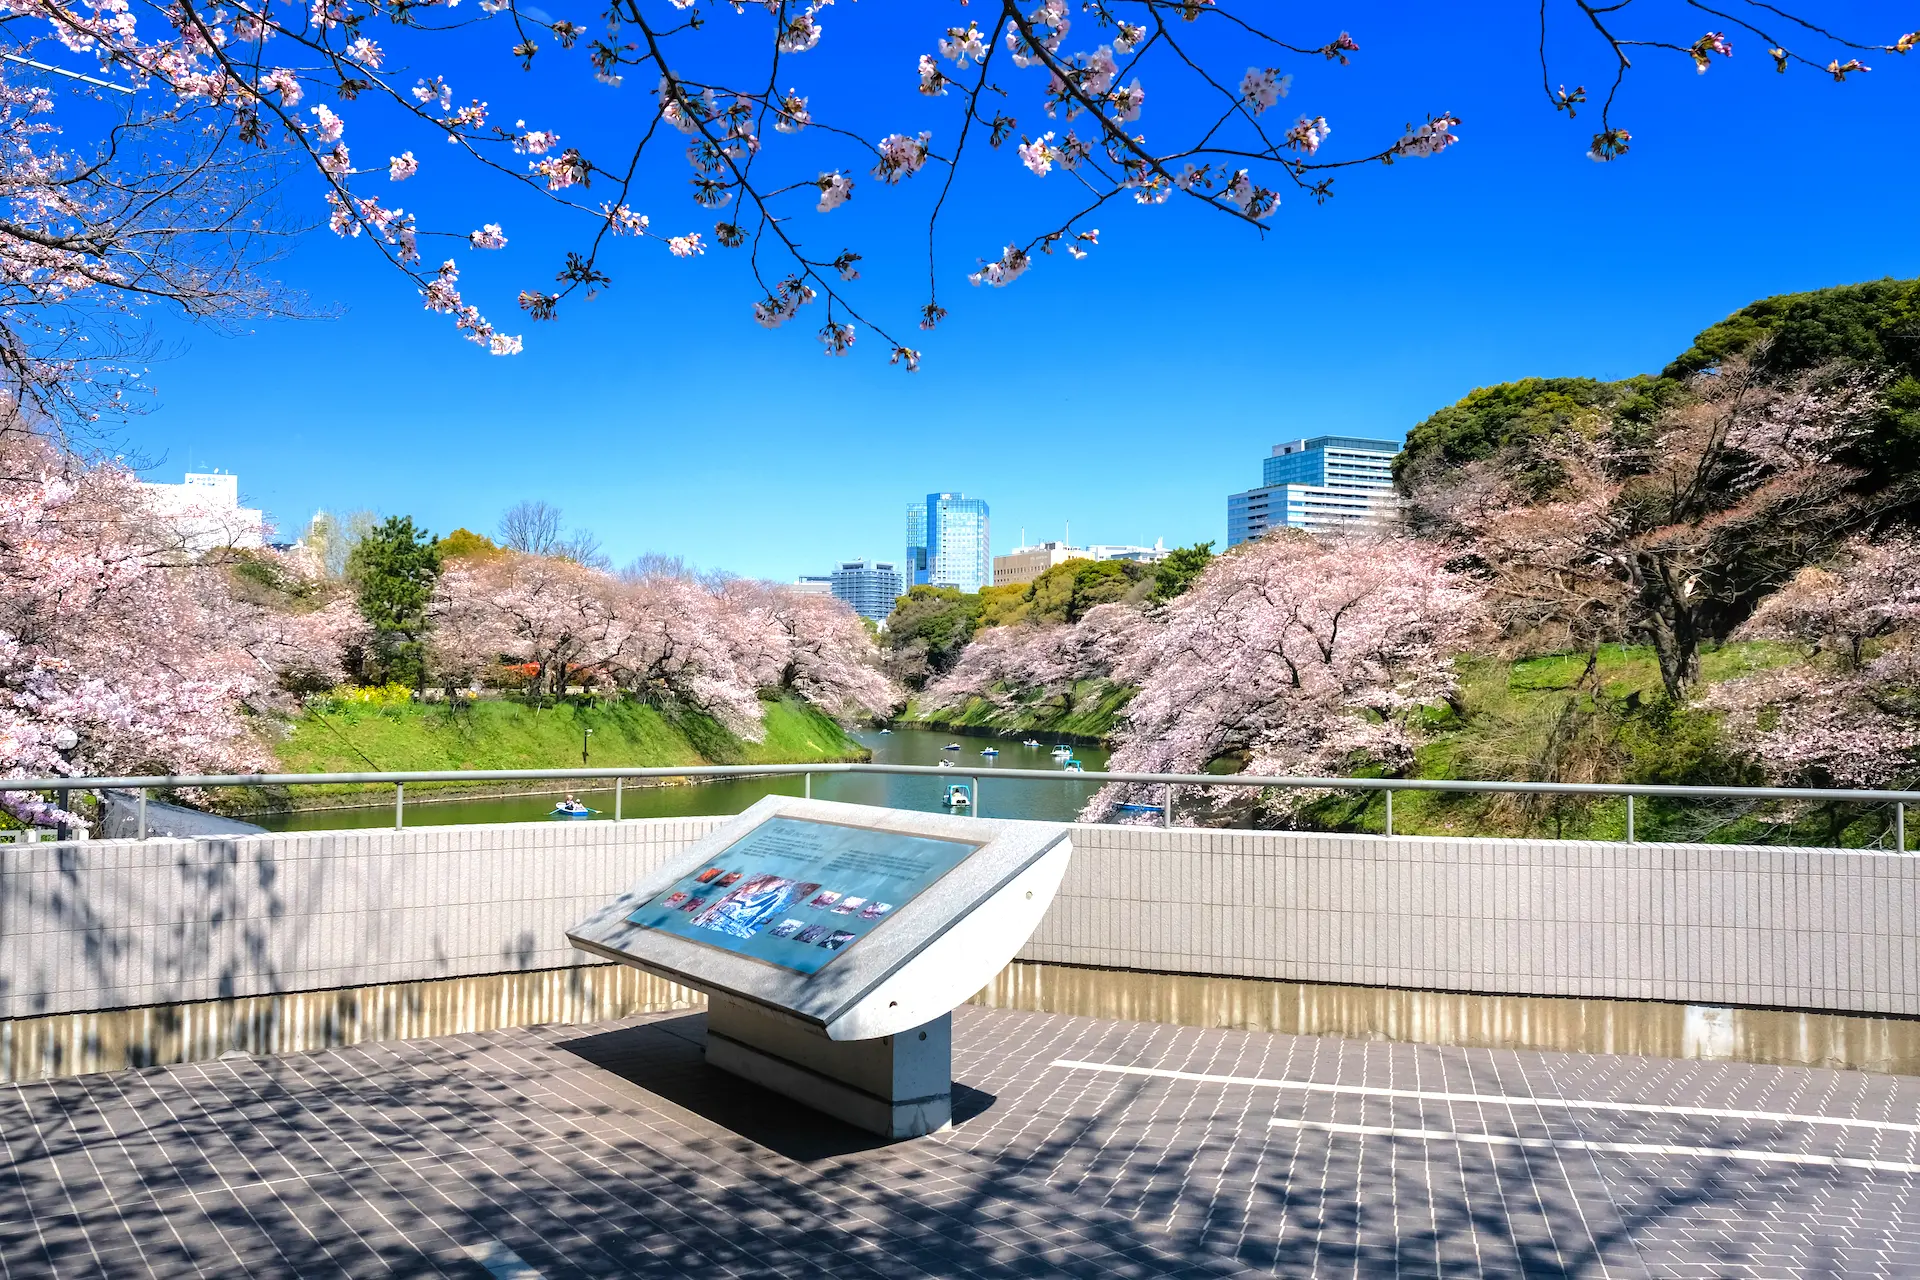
pixel 1044 800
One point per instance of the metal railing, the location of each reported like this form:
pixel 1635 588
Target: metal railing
pixel 1168 782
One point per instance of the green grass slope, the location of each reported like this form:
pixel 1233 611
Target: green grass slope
pixel 337 738
pixel 1090 714
pixel 1538 720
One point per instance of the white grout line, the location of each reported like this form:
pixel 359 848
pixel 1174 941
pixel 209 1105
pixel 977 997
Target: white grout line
pixel 1582 1144
pixel 500 1261
pixel 1512 1100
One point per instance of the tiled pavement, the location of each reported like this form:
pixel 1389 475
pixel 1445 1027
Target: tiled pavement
pixel 558 1152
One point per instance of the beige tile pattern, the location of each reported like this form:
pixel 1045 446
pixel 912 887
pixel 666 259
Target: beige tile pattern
pixel 113 924
pixel 1688 924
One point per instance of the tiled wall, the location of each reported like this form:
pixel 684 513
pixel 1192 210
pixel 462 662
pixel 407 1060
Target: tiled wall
pixel 113 924
pixel 1688 924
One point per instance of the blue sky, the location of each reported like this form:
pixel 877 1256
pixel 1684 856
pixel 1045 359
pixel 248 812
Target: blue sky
pixel 1128 393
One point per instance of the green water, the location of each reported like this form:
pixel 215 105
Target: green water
pixel 1008 798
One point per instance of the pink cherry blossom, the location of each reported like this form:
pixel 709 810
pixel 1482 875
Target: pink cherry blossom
pixel 835 190
pixel 1261 88
pixel 327 126
pixel 1296 656
pixel 933 82
pixel 120 649
pixel 488 237
pixel 402 166
pixel 901 156
pixel 1003 271
pixel 963 46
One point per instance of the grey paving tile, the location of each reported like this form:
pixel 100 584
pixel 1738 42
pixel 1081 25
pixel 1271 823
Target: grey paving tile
pixel 613 1151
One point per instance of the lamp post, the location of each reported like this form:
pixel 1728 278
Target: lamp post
pixel 583 747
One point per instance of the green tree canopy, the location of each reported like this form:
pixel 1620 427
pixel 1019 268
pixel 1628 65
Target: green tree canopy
pixel 1179 571
pixel 935 620
pixel 393 570
pixel 465 543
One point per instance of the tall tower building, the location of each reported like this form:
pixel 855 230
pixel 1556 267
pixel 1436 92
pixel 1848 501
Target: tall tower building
pixel 947 542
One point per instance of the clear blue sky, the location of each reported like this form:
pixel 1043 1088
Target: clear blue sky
pixel 1128 393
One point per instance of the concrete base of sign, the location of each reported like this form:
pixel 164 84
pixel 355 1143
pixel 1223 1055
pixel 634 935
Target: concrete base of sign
pixel 898 1086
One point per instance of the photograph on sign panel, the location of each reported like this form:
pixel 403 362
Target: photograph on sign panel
pixel 761 896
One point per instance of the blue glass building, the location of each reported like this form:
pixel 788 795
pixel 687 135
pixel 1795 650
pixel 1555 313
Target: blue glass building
pixel 947 542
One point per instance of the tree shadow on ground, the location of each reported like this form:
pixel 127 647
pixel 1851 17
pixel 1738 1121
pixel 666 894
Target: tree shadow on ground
pixel 622 1154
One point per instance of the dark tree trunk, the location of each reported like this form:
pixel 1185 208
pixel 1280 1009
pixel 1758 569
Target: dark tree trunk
pixel 1671 623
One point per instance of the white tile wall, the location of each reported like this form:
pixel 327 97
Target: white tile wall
pixel 116 923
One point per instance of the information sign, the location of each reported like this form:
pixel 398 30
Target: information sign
pixel 798 893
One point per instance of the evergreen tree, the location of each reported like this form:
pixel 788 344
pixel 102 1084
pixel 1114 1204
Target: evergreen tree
pixel 394 569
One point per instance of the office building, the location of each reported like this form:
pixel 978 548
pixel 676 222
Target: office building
pixel 869 586
pixel 205 512
pixel 1139 555
pixel 947 542
pixel 1327 484
pixel 813 584
pixel 1024 564
pixel 1334 462
pixel 915 567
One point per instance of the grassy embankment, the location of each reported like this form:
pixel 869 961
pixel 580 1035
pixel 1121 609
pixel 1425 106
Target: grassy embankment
pixel 339 737
pixel 1539 718
pixel 1090 715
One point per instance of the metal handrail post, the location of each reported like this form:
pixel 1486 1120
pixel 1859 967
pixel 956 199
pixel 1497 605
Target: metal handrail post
pixel 974 808
pixel 1166 806
pixel 1389 813
pixel 806 785
pixel 617 784
pixel 142 827
pixel 1899 826
pixel 399 806
pixel 1630 838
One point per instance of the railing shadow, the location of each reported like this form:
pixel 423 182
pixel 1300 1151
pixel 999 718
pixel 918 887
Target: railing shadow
pixel 401 1159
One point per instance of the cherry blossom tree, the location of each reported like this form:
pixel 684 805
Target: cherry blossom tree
pixel 1849 714
pixel 1058 91
pixel 675 642
pixel 811 646
pixel 1013 667
pixel 1671 533
pixel 662 637
pixel 1295 656
pixel 543 610
pixel 120 654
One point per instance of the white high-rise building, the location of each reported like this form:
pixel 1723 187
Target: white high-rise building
pixel 205 512
pixel 1328 484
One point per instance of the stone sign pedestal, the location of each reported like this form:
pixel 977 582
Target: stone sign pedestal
pixel 898 1086
pixel 833 942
